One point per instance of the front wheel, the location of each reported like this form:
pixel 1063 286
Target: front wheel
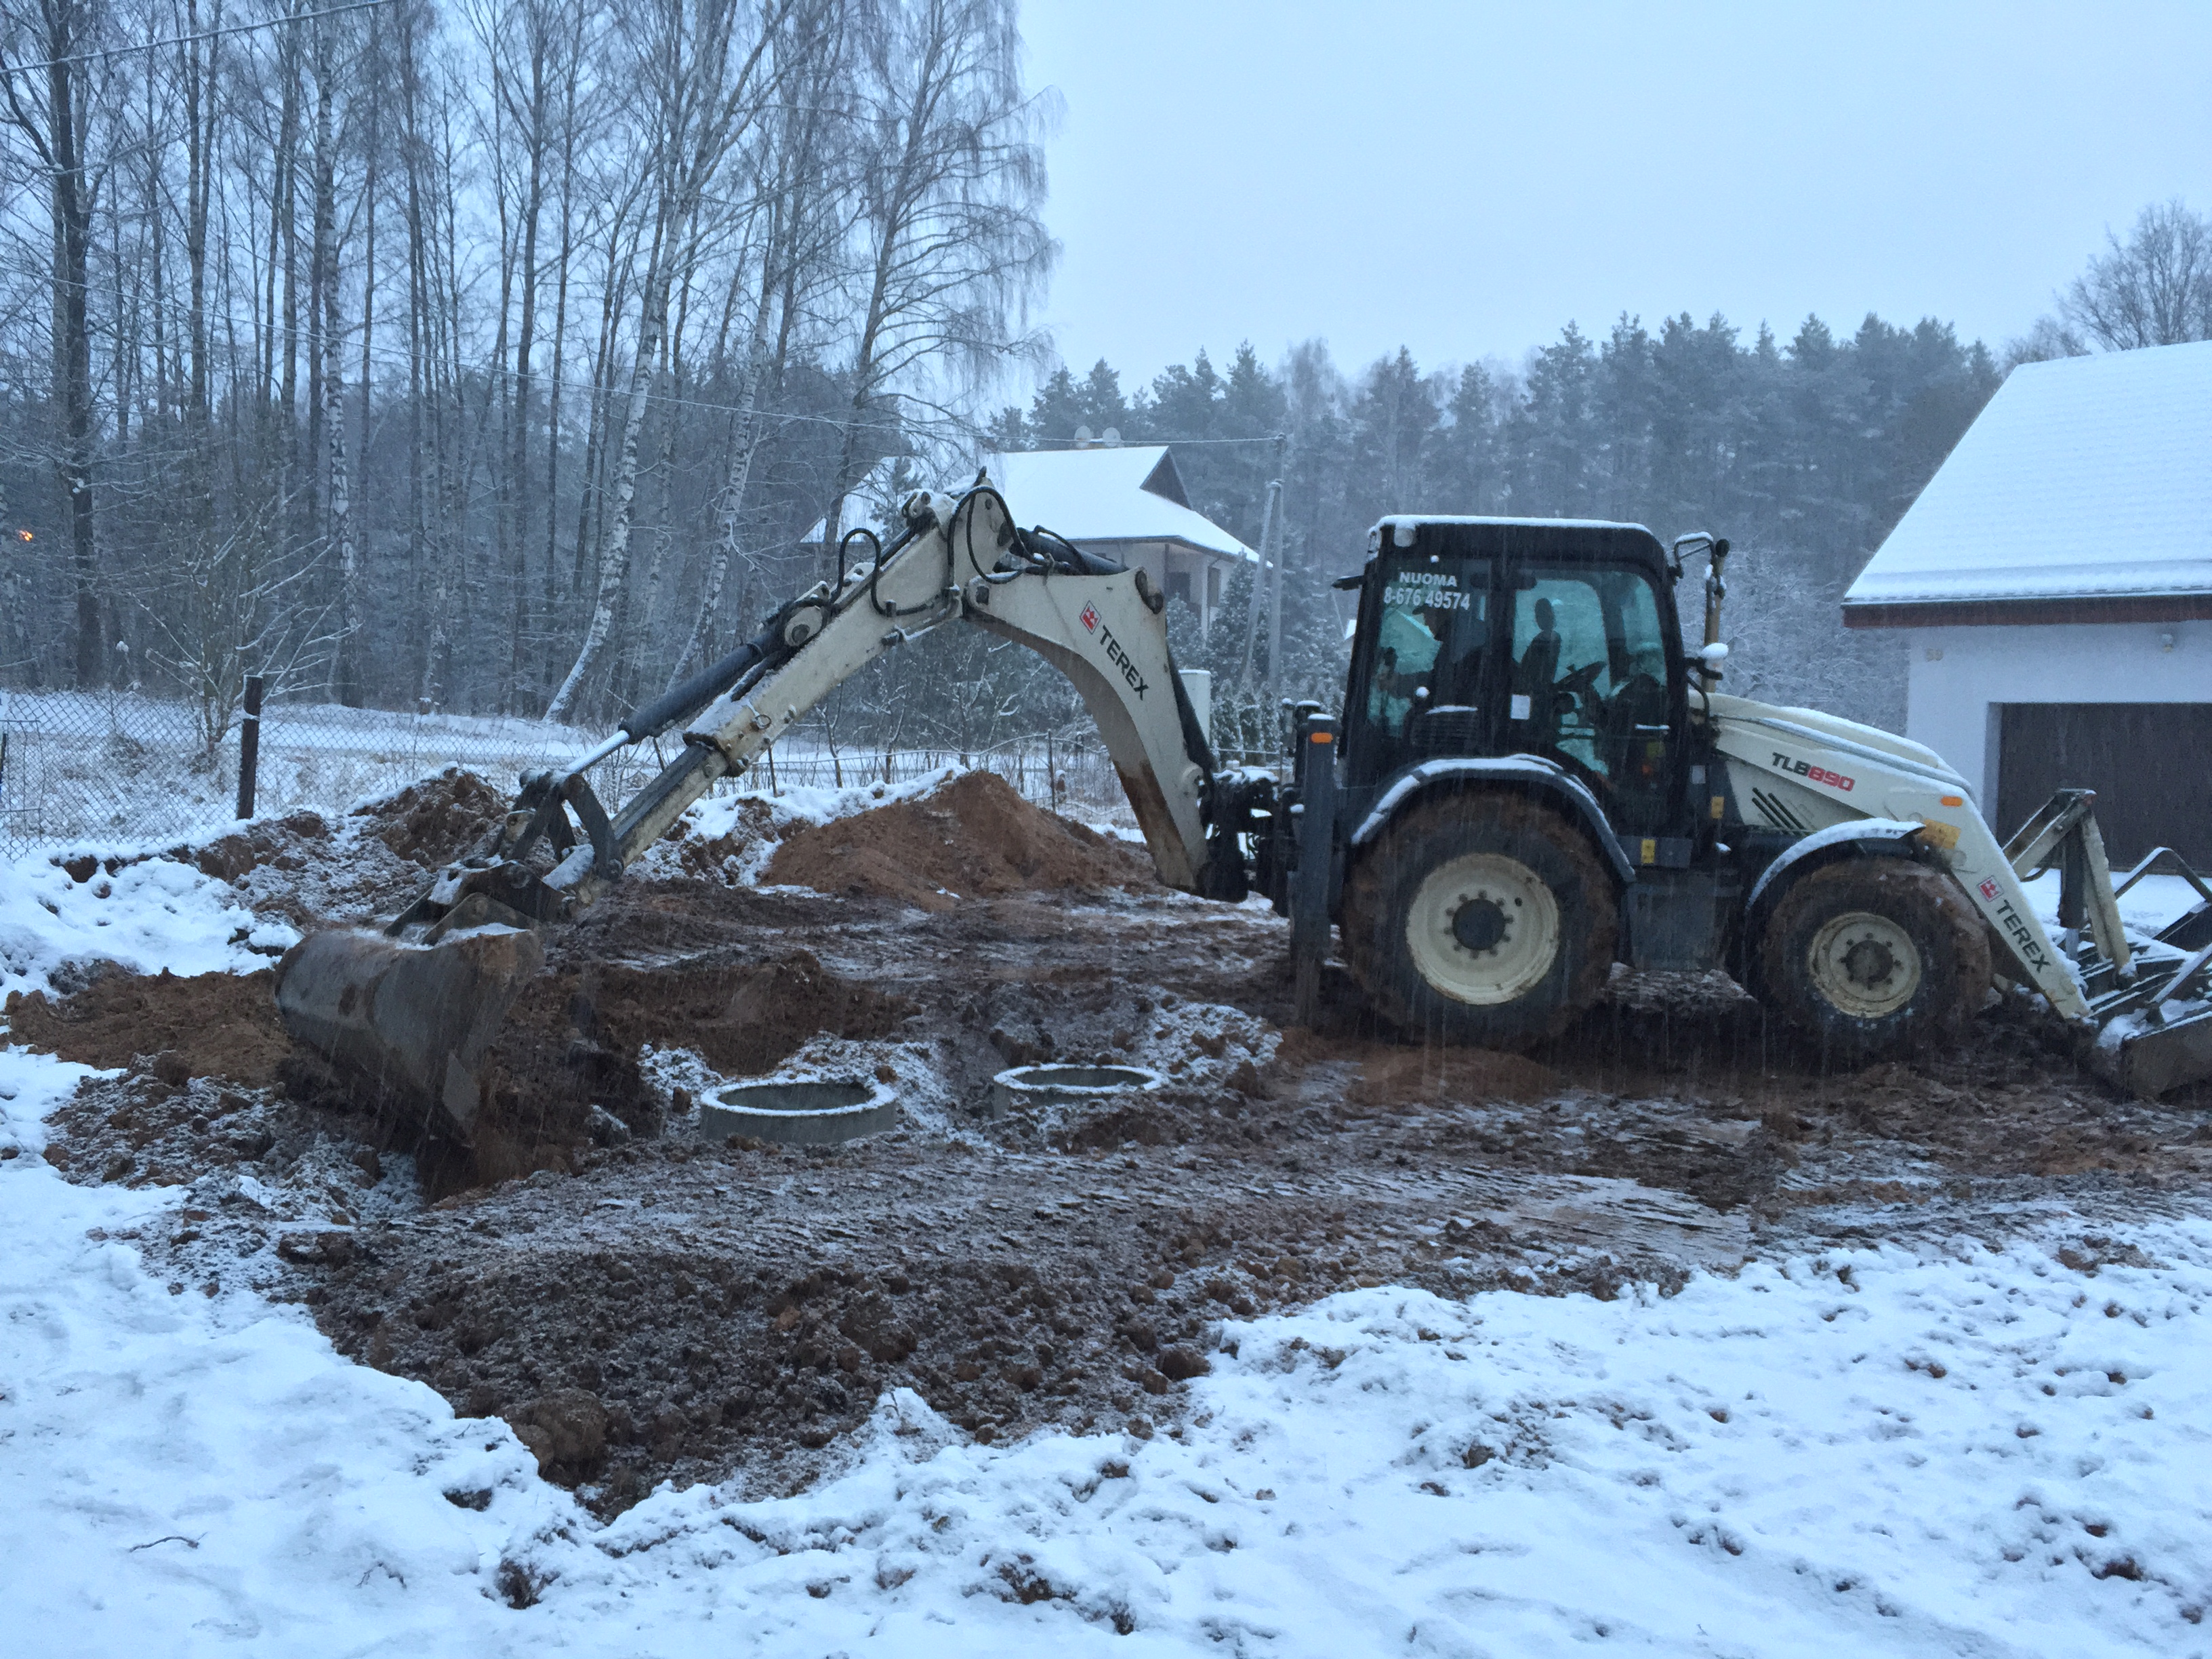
pixel 1479 919
pixel 1874 957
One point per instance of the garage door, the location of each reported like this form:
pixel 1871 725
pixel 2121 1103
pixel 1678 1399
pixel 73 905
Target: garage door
pixel 2150 762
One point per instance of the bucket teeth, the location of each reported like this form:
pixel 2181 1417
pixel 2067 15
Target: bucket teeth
pixel 408 1024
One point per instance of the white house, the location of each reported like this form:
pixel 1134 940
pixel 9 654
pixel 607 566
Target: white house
pixel 1123 502
pixel 1126 503
pixel 2055 582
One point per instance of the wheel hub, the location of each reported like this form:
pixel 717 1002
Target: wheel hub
pixel 1483 929
pixel 1866 966
pixel 1869 964
pixel 1480 924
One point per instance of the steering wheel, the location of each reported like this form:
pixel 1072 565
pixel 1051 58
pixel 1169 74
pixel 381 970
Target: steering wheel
pixel 1576 686
pixel 1579 680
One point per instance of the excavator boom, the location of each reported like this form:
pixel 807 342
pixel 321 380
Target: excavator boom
pixel 411 1012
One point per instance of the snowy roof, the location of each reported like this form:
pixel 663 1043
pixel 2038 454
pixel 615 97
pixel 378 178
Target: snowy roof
pixel 2084 476
pixel 1130 494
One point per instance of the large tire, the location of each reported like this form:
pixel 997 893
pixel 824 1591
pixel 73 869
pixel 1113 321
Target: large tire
pixel 1873 957
pixel 1479 918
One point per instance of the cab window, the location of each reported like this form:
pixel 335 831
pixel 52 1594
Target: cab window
pixel 1589 680
pixel 1430 643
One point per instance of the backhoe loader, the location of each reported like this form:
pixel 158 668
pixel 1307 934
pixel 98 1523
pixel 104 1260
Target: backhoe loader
pixel 1532 778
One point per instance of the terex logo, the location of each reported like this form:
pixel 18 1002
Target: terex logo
pixel 2025 941
pixel 1815 773
pixel 1115 653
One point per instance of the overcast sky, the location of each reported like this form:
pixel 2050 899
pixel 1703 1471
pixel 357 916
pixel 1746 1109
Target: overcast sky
pixel 1465 179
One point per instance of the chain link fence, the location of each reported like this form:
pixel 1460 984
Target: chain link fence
pixel 114 769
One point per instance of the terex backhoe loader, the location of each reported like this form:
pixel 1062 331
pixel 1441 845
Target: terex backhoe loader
pixel 1532 779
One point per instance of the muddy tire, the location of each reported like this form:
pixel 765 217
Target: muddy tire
pixel 1482 918
pixel 1873 957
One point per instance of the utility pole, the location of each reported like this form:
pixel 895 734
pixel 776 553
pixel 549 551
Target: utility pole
pixel 1275 596
pixel 1258 599
pixel 1267 591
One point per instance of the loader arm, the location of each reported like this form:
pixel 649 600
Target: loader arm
pixel 415 1009
pixel 1799 770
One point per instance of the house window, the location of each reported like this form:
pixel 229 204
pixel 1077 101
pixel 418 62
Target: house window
pixel 1179 586
pixel 1213 587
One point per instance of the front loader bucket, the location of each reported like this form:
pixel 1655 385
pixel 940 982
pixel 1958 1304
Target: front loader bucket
pixel 410 1025
pixel 2148 1060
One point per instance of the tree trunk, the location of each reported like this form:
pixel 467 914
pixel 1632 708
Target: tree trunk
pixel 71 210
pixel 322 284
pixel 729 510
pixel 614 558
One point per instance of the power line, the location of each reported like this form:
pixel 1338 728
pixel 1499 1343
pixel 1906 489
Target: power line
pixel 106 53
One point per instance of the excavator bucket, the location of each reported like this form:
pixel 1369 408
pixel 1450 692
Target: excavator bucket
pixel 409 1025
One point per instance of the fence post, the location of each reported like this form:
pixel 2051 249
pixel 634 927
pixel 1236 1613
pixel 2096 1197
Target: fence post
pixel 249 745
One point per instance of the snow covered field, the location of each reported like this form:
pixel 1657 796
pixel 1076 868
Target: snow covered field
pixel 1969 1451
pixel 122 771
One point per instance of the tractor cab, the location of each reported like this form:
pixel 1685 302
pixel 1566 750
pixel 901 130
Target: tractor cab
pixel 1487 638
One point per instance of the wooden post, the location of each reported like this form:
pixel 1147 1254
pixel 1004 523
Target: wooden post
pixel 249 745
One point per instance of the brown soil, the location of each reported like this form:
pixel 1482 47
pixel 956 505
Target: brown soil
pixel 1390 1075
pixel 647 1307
pixel 433 821
pixel 973 837
pixel 219 1025
pixel 572 1041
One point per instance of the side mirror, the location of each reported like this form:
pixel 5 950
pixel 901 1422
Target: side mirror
pixel 1713 655
pixel 1698 541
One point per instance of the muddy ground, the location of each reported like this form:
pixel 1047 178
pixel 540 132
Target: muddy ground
pixel 644 1306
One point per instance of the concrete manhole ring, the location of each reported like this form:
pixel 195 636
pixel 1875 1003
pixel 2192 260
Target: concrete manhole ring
pixel 1033 1088
pixel 798 1112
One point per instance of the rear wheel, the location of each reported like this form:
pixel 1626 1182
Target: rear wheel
pixel 1874 957
pixel 1481 919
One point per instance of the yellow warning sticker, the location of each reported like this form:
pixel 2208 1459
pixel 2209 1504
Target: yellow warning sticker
pixel 1649 853
pixel 1943 835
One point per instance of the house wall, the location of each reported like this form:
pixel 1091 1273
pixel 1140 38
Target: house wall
pixel 1959 678
pixel 1161 559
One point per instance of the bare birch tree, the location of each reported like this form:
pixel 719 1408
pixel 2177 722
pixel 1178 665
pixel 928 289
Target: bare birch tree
pixel 950 181
pixel 711 63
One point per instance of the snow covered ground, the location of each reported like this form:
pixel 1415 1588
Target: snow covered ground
pixel 1959 1450
pixel 147 916
pixel 1965 1451
pixel 2149 904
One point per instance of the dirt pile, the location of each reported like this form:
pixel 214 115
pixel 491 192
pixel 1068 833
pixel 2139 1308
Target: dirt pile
pixel 722 858
pixel 714 1310
pixel 435 821
pixel 975 838
pixel 217 1026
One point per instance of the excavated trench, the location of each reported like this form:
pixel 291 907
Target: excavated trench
pixel 643 1305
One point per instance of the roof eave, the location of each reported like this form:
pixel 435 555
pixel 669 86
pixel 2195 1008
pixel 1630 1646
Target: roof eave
pixel 2029 610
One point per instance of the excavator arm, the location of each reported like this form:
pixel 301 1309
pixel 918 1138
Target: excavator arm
pixel 413 1010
